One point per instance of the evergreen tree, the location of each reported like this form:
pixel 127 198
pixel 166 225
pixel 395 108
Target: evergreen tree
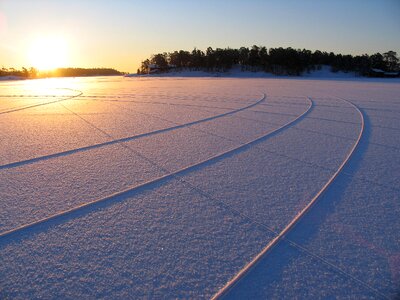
pixel 391 61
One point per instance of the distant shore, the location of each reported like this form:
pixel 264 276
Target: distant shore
pixel 32 73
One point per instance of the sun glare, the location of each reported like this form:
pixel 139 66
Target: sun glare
pixel 48 53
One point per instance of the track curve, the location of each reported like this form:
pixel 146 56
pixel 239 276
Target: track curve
pixel 244 271
pixel 131 190
pixel 125 139
pixel 79 93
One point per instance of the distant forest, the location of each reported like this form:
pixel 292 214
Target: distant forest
pixel 60 72
pixel 279 61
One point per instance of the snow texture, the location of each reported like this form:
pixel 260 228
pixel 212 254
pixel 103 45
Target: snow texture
pixel 167 187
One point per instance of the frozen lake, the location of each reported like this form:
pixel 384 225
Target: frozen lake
pixel 115 187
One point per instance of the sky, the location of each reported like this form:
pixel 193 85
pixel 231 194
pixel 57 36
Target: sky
pixel 122 33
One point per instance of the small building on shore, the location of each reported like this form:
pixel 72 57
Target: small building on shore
pixel 381 73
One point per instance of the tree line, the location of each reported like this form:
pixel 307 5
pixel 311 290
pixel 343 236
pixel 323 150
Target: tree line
pixel 24 72
pixel 59 72
pixel 280 61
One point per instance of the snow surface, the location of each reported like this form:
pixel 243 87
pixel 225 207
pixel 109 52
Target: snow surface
pixel 189 179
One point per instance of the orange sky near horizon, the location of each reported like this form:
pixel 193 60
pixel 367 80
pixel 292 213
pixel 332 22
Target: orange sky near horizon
pixel 120 34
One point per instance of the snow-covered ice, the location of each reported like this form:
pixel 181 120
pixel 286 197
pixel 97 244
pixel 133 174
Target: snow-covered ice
pixel 160 187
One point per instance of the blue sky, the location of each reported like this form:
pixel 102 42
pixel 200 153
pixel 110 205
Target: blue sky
pixel 122 33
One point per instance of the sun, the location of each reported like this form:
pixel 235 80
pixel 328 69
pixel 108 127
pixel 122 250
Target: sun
pixel 48 53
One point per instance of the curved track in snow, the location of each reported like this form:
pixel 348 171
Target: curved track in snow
pixel 121 98
pixel 244 271
pixel 43 103
pixel 121 195
pixel 125 139
pixel 155 102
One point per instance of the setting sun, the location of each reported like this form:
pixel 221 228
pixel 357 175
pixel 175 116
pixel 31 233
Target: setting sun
pixel 48 53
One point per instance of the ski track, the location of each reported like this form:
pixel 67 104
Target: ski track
pixel 281 236
pixel 125 139
pixel 363 178
pixel 121 195
pixel 228 207
pixel 43 103
pixel 85 208
pixel 158 103
pixel 123 99
pixel 299 129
